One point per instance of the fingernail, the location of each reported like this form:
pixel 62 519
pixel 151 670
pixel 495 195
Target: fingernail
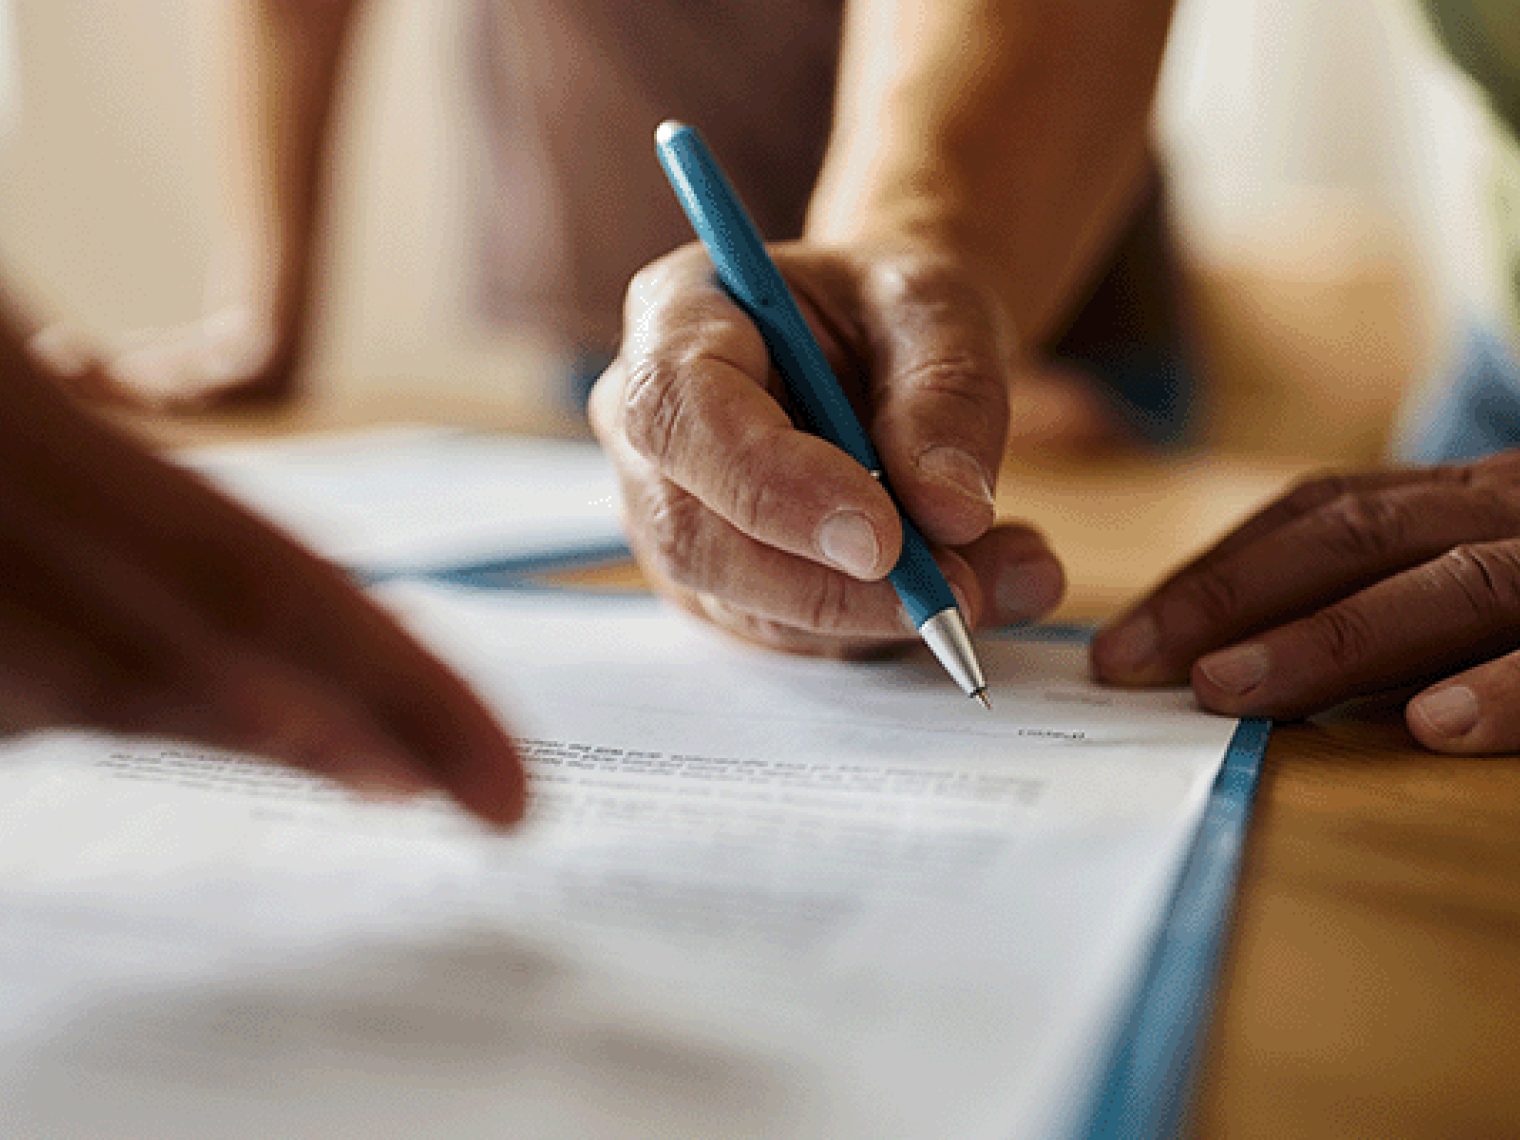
pixel 1237 670
pixel 1028 590
pixel 1451 712
pixel 1131 646
pixel 958 469
pixel 848 540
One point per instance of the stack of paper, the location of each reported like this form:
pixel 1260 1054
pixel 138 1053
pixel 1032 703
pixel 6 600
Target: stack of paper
pixel 409 499
pixel 756 896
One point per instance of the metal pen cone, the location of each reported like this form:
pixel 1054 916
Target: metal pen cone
pixel 947 637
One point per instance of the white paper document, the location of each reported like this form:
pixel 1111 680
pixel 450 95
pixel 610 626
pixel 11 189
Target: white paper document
pixel 410 498
pixel 756 896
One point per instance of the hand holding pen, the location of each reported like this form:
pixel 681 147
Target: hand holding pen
pixel 766 529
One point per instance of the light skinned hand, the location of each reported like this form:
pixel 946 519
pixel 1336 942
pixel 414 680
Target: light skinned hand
pixel 236 354
pixel 774 534
pixel 134 598
pixel 1349 586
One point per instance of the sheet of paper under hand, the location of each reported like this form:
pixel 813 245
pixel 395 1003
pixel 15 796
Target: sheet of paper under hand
pixel 407 499
pixel 757 896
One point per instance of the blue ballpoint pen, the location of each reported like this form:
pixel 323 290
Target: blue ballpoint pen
pixel 751 278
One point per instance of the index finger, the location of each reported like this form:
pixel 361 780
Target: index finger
pixel 443 727
pixel 1312 494
pixel 1304 564
pixel 261 597
pixel 940 377
pixel 1458 609
pixel 1142 645
pixel 690 398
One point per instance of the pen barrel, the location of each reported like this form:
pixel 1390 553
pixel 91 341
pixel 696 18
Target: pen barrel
pixel 751 278
pixel 917 578
pixel 816 396
pixel 827 413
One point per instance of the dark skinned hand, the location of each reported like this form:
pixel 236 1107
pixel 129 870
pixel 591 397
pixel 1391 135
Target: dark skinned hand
pixel 1349 586
pixel 134 598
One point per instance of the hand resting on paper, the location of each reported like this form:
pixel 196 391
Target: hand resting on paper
pixel 768 531
pixel 134 598
pixel 1347 586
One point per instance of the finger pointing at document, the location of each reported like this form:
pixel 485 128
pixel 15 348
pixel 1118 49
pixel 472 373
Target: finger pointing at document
pixel 135 598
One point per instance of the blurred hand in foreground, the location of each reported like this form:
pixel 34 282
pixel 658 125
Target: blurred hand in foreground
pixel 279 68
pixel 134 598
pixel 234 355
pixel 1348 586
pixel 772 533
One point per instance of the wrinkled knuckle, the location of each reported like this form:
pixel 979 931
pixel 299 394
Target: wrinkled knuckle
pixel 751 486
pixel 1362 527
pixel 929 289
pixel 961 377
pixel 1344 634
pixel 1314 491
pixel 829 603
pixel 1506 675
pixel 653 407
pixel 923 277
pixel 719 612
pixel 1214 596
pixel 658 280
pixel 673 530
pixel 648 286
pixel 750 626
pixel 1500 507
pixel 771 633
pixel 1503 466
pixel 927 279
pixel 965 390
pixel 1486 576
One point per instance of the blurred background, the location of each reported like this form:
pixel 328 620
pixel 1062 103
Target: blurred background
pixel 1328 181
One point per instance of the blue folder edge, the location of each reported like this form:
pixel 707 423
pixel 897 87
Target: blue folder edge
pixel 509 572
pixel 1146 1087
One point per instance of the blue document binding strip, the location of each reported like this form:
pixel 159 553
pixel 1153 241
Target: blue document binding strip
pixel 1148 1087
pixel 506 572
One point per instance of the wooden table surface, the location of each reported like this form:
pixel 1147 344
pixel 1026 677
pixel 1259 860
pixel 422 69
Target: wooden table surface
pixel 1372 987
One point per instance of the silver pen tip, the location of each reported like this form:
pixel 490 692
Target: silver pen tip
pixel 950 641
pixel 981 695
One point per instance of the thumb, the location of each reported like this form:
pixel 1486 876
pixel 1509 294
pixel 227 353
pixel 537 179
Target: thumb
pixel 939 385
